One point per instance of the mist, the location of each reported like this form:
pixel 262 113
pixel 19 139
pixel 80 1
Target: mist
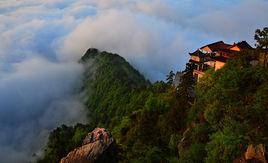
pixel 36 96
pixel 42 41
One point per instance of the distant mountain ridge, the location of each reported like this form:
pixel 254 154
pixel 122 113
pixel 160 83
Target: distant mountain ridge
pixel 117 65
pixel 108 77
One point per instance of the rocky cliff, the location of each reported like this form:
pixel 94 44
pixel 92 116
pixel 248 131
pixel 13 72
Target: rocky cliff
pixel 98 146
pixel 254 153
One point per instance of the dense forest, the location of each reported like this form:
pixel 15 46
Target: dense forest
pixel 213 120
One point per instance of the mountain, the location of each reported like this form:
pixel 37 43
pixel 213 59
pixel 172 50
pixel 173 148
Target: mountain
pixel 224 120
pixel 108 82
pixel 119 98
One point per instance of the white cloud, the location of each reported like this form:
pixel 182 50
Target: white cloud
pixel 237 21
pixel 140 39
pixel 37 91
pixel 36 96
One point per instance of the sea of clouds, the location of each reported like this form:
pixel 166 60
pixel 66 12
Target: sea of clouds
pixel 42 40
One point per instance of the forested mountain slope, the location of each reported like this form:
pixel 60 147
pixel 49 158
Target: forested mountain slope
pixel 160 123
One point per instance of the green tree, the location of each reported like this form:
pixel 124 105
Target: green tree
pixel 225 146
pixel 261 37
pixel 170 77
pixel 62 140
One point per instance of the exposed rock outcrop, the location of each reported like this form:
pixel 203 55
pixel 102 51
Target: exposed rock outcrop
pixel 177 79
pixel 254 154
pixel 98 146
pixel 184 141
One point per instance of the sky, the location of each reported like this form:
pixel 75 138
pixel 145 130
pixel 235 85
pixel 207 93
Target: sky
pixel 42 40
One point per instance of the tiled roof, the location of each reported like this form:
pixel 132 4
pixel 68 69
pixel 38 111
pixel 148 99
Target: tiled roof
pixel 217 46
pixel 243 45
pixel 197 53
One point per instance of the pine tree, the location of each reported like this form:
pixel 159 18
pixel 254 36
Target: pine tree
pixel 170 77
pixel 261 37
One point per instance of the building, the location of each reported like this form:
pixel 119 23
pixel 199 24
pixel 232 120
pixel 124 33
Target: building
pixel 214 55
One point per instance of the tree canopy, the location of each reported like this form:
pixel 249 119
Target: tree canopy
pixel 261 37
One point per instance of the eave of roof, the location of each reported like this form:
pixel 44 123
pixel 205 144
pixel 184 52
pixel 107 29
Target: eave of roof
pixel 196 53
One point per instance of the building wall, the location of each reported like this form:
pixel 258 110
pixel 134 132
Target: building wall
pixel 207 49
pixel 195 58
pixel 210 63
pixel 235 48
pixel 198 74
pixel 219 65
